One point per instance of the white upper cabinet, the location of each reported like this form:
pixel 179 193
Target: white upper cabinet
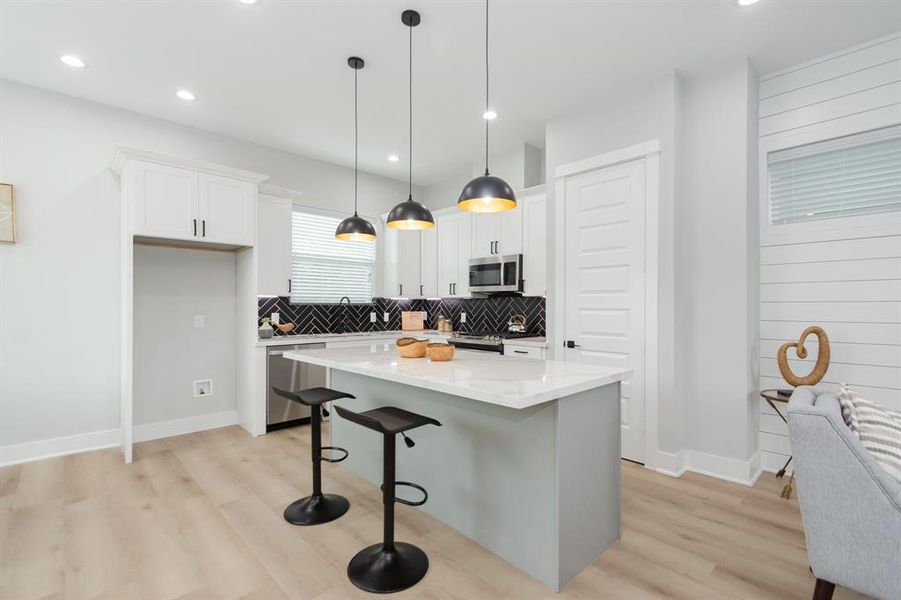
pixel 409 277
pixel 226 210
pixel 187 200
pixel 428 267
pixel 497 233
pixel 274 245
pixel 454 241
pixel 534 242
pixel 399 255
pixel 165 201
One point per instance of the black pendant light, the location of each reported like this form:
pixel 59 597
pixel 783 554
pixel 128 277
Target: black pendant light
pixel 410 214
pixel 486 193
pixel 355 228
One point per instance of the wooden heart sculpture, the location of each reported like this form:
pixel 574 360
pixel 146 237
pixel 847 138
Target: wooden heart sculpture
pixel 819 369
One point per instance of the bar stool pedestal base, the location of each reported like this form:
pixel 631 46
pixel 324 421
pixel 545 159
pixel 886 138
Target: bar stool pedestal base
pixel 314 510
pixel 375 569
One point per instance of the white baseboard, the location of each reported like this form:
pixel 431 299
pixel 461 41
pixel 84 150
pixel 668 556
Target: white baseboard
pixel 29 451
pixel 744 472
pixel 164 429
pixel 670 463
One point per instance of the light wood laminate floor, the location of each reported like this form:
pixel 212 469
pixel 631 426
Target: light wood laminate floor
pixel 200 516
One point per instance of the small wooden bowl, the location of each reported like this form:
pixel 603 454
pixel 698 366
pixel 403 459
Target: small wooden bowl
pixel 440 352
pixel 285 327
pixel 408 347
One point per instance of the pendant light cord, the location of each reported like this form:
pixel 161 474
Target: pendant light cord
pixel 356 136
pixel 486 86
pixel 411 113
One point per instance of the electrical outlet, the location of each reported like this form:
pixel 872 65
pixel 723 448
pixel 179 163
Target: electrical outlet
pixel 386 316
pixel 372 317
pixel 274 318
pixel 198 320
pixel 462 317
pixel 203 388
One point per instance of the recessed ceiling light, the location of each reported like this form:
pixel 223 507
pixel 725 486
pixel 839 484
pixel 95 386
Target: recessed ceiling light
pixel 248 1
pixel 184 95
pixel 489 115
pixel 394 158
pixel 72 61
pixel 746 2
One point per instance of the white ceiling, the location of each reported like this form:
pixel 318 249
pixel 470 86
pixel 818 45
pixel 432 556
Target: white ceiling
pixel 275 72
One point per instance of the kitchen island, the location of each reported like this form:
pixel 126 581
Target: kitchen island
pixel 527 462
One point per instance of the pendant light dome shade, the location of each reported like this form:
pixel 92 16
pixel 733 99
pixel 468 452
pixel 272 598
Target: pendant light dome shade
pixel 410 214
pixel 486 194
pixel 355 228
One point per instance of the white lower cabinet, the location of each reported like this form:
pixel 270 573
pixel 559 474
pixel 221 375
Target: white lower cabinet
pixel 274 246
pixel 525 351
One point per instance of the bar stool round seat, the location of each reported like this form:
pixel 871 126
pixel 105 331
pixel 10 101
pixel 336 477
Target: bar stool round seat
pixel 316 508
pixel 389 566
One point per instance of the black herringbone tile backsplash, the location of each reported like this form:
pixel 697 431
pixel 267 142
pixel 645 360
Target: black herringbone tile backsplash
pixel 482 314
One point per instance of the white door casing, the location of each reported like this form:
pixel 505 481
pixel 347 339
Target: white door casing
pixel 604 262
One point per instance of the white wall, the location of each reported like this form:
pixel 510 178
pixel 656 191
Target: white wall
pixel 843 274
pixel 59 285
pixel 171 286
pixel 717 270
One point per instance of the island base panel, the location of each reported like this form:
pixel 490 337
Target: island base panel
pixel 539 487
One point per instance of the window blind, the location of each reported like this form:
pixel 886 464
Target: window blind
pixel 853 175
pixel 323 269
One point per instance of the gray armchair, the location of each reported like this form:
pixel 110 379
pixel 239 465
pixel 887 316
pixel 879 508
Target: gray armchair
pixel 851 507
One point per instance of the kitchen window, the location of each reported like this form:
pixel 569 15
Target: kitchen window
pixel 848 176
pixel 324 269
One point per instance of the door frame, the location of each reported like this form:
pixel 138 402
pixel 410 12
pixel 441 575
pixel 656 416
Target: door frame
pixel 648 151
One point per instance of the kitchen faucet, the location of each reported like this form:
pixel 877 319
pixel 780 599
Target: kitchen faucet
pixel 343 313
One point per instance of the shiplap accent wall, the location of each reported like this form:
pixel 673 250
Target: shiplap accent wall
pixel 844 273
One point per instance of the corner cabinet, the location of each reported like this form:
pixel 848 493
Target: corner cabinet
pixel 186 204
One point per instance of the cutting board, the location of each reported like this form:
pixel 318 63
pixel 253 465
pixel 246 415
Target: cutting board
pixel 412 320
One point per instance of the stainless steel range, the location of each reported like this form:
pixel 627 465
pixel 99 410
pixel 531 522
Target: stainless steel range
pixel 483 340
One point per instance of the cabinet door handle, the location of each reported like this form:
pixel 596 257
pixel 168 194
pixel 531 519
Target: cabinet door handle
pixel 400 289
pixel 203 225
pixel 195 227
pixel 289 285
pixel 449 292
pixel 520 351
pixel 420 289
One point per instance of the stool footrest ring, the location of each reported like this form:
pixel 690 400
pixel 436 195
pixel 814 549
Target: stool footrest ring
pixel 336 449
pixel 425 494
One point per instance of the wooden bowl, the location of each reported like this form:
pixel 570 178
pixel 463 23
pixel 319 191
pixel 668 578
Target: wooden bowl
pixel 440 352
pixel 285 327
pixel 408 347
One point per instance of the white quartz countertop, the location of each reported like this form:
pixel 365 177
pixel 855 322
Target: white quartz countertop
pixel 318 338
pixel 483 376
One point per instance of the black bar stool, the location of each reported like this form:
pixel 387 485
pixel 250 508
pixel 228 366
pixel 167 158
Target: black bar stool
pixel 390 566
pixel 318 507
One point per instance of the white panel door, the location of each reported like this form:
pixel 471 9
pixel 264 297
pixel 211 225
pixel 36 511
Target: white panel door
pixel 273 246
pixel 408 275
pixel 509 231
pixel 226 210
pixel 429 262
pixel 446 231
pixel 604 289
pixel 534 244
pixel 165 201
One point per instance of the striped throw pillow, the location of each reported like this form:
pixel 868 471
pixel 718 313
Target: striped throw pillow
pixel 878 429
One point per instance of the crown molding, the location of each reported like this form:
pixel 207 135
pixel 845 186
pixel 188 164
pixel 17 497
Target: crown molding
pixel 279 192
pixel 123 153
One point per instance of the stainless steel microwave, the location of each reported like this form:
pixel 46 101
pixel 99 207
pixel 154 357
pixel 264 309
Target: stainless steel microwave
pixel 496 274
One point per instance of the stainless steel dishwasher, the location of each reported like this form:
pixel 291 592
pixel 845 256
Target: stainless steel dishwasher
pixel 289 374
